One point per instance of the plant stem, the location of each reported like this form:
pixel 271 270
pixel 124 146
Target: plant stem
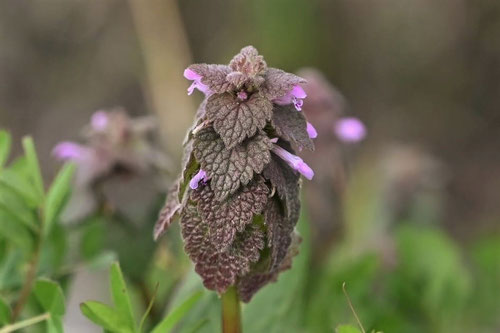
pixel 231 314
pixel 30 278
pixel 25 323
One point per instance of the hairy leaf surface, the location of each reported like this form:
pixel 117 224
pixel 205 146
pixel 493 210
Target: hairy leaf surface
pixel 235 120
pixel 226 218
pixel 228 168
pixel 278 83
pixel 291 125
pixel 219 270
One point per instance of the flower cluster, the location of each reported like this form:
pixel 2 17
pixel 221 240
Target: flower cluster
pixel 238 195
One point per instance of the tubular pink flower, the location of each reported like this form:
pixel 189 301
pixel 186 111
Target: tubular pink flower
pixel 70 151
pixel 350 129
pixel 295 96
pixel 313 134
pixel 99 121
pixel 294 162
pixel 200 176
pixel 196 78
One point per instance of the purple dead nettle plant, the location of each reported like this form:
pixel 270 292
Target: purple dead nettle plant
pixel 113 145
pixel 238 195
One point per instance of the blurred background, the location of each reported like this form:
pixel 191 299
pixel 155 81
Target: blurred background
pixel 409 217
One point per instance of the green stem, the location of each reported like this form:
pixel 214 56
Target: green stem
pixel 231 314
pixel 25 323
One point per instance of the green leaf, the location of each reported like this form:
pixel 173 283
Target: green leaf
pixel 105 316
pixel 5 312
pixel 55 325
pixel 347 329
pixel 177 314
pixel 15 181
pixel 14 207
pixel 15 233
pixel 50 296
pixel 33 165
pixel 120 295
pixel 5 143
pixel 57 194
pixel 92 241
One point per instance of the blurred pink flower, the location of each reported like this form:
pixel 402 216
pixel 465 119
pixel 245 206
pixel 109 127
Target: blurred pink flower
pixel 350 129
pixel 67 150
pixel 294 162
pixel 196 78
pixel 99 121
pixel 295 96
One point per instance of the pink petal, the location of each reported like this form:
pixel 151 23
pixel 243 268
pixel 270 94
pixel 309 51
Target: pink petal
pixel 313 134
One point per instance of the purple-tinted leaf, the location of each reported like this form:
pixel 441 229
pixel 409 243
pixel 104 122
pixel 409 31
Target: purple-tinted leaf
pixel 287 184
pixel 278 83
pixel 213 76
pixel 251 283
pixel 248 62
pixel 219 270
pixel 279 232
pixel 228 168
pixel 169 211
pixel 236 120
pixel 292 126
pixel 226 218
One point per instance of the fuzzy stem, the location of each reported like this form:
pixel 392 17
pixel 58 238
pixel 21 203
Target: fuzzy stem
pixel 231 314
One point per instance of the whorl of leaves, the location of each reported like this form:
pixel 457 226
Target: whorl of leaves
pixel 238 224
pixel 225 218
pixel 219 269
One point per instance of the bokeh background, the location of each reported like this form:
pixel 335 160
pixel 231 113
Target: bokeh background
pixel 414 231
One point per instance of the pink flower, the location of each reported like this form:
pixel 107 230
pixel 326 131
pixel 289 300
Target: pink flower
pixel 200 176
pixel 67 150
pixel 295 96
pixel 350 129
pixel 294 162
pixel 196 78
pixel 99 121
pixel 313 134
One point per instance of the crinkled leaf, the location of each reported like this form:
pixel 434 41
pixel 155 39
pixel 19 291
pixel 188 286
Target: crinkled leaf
pixel 168 212
pixel 235 120
pixel 250 284
pixel 219 270
pixel 279 232
pixel 226 218
pixel 248 62
pixel 292 126
pixel 287 183
pixel 175 195
pixel 228 168
pixel 50 296
pixel 278 83
pixel 213 76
